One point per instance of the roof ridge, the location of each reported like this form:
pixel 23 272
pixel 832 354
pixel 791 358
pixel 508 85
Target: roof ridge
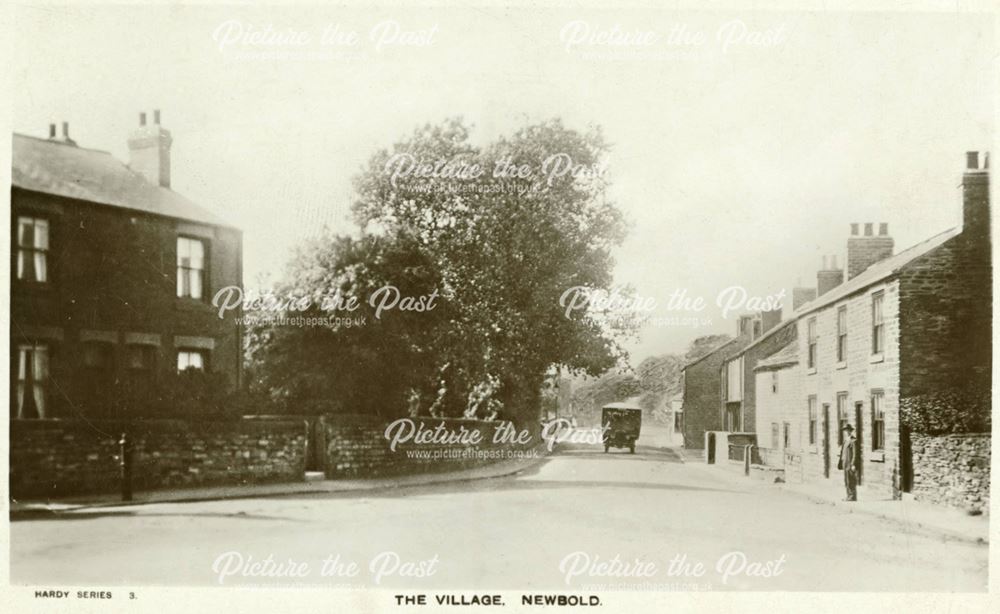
pixel 63 143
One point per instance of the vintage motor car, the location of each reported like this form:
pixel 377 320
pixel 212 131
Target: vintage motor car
pixel 622 422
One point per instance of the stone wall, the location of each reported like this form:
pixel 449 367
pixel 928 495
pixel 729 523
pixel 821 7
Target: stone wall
pixel 55 458
pixel 952 470
pixel 356 446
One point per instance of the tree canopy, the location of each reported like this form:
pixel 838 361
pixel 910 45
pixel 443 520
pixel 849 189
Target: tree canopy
pixel 489 238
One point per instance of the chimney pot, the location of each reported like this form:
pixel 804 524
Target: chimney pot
pixel 854 230
pixel 868 229
pixel 833 263
pixel 149 151
pixel 156 116
pixel 883 229
pixel 52 131
pixel 976 199
pixel 65 130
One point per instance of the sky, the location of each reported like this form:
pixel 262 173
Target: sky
pixel 739 160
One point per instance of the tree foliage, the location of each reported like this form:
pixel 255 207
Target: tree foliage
pixel 497 251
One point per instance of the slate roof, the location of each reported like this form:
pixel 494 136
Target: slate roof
pixel 62 169
pixel 741 339
pixel 785 357
pixel 876 273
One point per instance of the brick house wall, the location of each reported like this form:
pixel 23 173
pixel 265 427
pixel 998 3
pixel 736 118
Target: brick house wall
pixel 702 389
pixel 946 320
pixel 112 279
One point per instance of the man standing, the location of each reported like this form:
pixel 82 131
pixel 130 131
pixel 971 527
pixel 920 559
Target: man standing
pixel 846 462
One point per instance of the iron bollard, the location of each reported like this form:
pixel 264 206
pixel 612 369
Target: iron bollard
pixel 125 460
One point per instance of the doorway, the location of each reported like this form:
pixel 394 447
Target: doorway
pixel 859 429
pixel 826 440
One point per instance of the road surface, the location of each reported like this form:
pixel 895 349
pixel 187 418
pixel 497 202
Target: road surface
pixel 559 526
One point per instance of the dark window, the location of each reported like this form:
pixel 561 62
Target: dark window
pixel 812 343
pixel 678 421
pixel 32 249
pixel 787 436
pixel 774 434
pixel 191 260
pixel 812 420
pixel 878 420
pixel 139 366
pixel 774 382
pixel 842 334
pixel 878 323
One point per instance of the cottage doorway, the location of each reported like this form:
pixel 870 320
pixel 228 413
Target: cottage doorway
pixel 711 448
pixel 859 444
pixel 826 440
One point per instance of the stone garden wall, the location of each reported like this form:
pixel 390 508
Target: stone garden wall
pixel 952 470
pixel 357 446
pixel 55 458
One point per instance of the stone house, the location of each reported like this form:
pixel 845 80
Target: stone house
pixel 112 276
pixel 902 351
pixel 778 390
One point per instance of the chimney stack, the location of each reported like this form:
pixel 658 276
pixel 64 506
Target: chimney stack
pixel 976 196
pixel 770 318
pixel 744 325
pixel 801 296
pixel 829 276
pixel 864 251
pixel 149 151
pixel 53 136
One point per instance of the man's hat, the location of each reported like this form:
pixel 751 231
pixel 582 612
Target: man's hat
pixel 847 428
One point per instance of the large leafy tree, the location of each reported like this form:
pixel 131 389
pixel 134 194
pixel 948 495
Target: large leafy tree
pixel 500 247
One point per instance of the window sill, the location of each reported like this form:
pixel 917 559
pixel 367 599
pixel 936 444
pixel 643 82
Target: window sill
pixel 842 364
pixel 876 457
pixel 874 358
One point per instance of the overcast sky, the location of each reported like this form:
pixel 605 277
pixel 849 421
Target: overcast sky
pixel 738 165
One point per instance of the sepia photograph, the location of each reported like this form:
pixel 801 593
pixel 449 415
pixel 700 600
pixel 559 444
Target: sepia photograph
pixel 435 307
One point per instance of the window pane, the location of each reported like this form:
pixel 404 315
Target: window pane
pixel 195 284
pixel 42 234
pixel 25 232
pixel 41 362
pixel 41 267
pixel 183 250
pixel 197 254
